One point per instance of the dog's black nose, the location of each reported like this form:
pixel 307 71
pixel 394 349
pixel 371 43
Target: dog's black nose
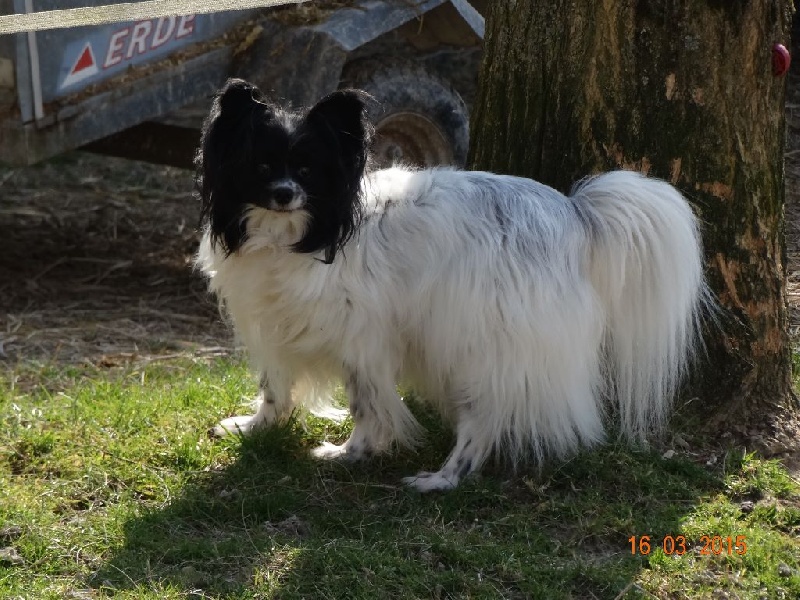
pixel 283 194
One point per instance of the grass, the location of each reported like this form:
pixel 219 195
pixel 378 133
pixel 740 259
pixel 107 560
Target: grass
pixel 111 487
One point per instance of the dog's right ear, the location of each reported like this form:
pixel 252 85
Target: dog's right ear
pixel 223 160
pixel 238 98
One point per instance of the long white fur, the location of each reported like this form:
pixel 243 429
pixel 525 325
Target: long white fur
pixel 524 315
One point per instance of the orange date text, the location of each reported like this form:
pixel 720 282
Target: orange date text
pixel 678 545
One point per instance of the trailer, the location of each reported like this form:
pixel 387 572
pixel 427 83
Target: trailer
pixel 140 89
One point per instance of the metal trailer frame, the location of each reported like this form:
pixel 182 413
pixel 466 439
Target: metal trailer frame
pixel 117 107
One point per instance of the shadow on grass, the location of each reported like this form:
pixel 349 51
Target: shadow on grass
pixel 277 522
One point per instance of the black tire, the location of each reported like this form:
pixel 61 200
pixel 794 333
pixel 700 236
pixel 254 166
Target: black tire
pixel 419 118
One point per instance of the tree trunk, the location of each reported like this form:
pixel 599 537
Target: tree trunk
pixel 682 90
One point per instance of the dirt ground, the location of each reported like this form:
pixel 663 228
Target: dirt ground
pixel 96 264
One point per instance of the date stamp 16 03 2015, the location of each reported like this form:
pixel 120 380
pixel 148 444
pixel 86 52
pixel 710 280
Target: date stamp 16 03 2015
pixel 707 545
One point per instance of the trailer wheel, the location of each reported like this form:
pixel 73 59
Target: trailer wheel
pixel 419 118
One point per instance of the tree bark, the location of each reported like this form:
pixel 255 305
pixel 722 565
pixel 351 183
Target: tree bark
pixel 682 90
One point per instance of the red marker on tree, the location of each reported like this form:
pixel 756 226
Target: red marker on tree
pixel 781 59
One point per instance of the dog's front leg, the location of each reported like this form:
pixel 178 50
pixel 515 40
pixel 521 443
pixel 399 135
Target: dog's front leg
pixel 380 417
pixel 274 402
pixel 471 450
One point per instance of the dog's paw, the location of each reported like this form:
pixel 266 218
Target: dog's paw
pixel 430 482
pixel 328 451
pixel 240 425
pixel 346 451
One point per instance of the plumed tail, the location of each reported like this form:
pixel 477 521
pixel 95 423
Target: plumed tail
pixel 647 268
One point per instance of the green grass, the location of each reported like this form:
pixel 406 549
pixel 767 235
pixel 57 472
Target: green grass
pixel 110 486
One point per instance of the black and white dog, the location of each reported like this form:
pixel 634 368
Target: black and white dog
pixel 529 318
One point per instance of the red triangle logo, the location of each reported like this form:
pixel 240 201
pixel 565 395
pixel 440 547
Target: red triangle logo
pixel 85 60
pixel 84 68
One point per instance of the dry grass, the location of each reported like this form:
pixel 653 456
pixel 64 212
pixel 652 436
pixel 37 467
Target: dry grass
pixel 97 264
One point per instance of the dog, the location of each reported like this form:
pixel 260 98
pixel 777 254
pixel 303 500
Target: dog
pixel 533 321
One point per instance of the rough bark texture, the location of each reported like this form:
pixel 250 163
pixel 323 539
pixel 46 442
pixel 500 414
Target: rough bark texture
pixel 682 90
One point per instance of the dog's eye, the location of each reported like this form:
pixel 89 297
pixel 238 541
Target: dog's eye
pixel 303 172
pixel 264 170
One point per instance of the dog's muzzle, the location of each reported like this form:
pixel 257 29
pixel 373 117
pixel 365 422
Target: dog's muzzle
pixel 286 195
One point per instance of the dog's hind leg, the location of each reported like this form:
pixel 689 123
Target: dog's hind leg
pixel 274 401
pixel 380 417
pixel 469 454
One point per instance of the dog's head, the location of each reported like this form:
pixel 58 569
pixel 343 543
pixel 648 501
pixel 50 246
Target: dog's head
pixel 282 178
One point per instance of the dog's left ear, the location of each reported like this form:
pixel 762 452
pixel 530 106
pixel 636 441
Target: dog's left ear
pixel 344 115
pixel 338 121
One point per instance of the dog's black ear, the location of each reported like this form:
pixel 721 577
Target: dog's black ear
pixel 224 157
pixel 344 115
pixel 238 97
pixel 338 121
